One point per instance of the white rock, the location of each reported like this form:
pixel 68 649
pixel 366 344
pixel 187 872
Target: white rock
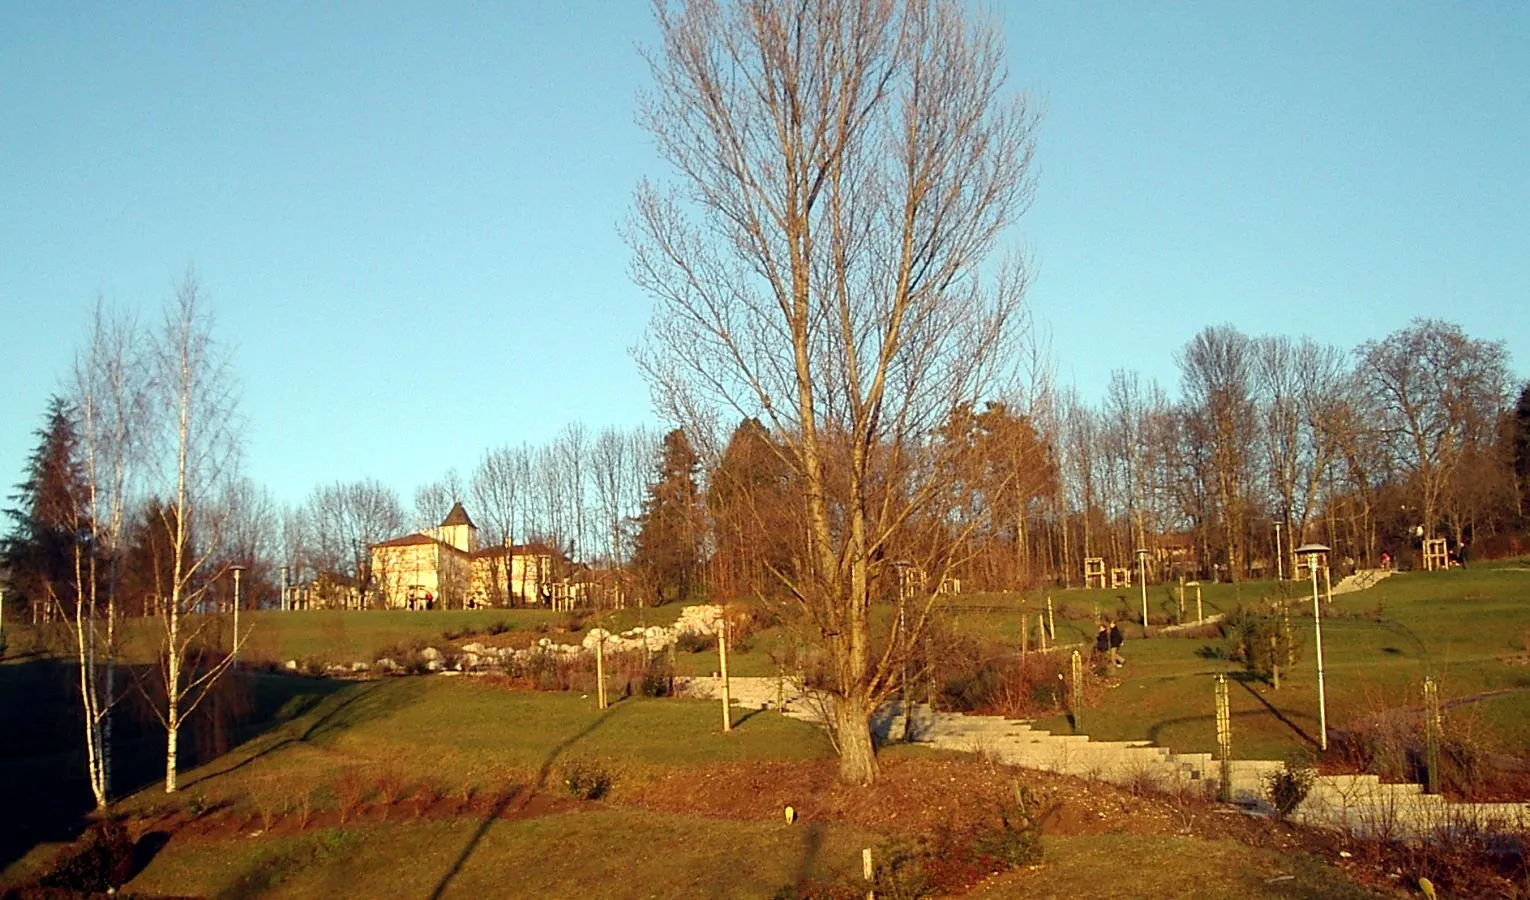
pixel 291 665
pixel 430 654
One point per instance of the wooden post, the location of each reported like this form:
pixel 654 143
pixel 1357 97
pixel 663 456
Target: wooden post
pixel 1078 693
pixel 1025 635
pixel 1432 734
pixel 600 671
pixel 1274 661
pixel 1224 740
pixel 1200 615
pixel 868 873
pixel 722 658
pixel 1041 626
pixel 1182 598
pixel 1051 621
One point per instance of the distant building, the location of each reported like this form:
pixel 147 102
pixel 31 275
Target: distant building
pixel 444 567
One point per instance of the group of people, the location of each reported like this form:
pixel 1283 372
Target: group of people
pixel 1108 640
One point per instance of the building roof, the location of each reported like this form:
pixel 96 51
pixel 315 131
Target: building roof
pixel 407 540
pixel 414 540
pixel 458 516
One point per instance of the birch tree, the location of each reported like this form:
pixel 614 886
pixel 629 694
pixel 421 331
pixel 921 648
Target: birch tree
pixel 110 398
pixel 196 424
pixel 844 170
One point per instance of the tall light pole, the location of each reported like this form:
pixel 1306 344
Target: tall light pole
pixel 234 651
pixel 1312 552
pixel 1142 556
pixel 1280 561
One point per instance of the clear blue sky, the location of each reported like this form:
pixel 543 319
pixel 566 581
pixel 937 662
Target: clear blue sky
pixel 405 214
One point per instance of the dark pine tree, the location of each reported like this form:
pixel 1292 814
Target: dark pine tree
pixel 667 554
pixel 47 518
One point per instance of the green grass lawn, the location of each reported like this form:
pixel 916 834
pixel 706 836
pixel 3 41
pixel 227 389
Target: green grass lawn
pixel 603 852
pixel 1132 867
pixel 1379 644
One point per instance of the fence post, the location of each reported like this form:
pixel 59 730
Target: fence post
pixel 869 874
pixel 722 660
pixel 600 671
pixel 1432 733
pixel 1224 740
pixel 1078 693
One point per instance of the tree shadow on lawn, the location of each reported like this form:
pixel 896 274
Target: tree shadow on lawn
pixel 519 798
pixel 1246 681
pixel 43 789
pixel 1156 732
pixel 350 708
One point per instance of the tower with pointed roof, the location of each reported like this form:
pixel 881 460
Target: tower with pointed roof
pixel 458 530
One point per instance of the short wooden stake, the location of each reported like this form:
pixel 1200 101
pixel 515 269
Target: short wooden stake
pixel 867 872
pixel 1051 621
pixel 1041 626
pixel 722 659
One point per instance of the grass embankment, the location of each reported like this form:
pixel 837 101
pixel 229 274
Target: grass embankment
pixel 1468 629
pixel 454 787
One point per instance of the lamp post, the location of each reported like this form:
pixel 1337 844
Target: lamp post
pixel 1142 556
pixel 234 652
pixel 286 603
pixel 1312 551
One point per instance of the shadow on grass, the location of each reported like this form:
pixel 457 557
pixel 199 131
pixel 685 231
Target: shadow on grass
pixel 520 798
pixel 349 709
pixel 43 790
pixel 1245 681
pixel 812 846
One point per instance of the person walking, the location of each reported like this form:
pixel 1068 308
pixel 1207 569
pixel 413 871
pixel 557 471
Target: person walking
pixel 1115 643
pixel 1101 644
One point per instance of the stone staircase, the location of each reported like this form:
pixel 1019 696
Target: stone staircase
pixel 1359 804
pixel 1361 580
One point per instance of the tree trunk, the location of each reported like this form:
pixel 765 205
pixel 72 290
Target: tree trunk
pixel 857 756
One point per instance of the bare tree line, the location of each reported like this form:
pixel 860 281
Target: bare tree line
pixel 1354 449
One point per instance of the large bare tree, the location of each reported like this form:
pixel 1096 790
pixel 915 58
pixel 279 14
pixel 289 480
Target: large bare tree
pixel 1439 393
pixel 343 521
pixel 1216 367
pixel 845 169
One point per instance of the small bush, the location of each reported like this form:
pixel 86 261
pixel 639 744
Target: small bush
pixel 102 860
pixel 586 780
pixel 691 642
pixel 1287 788
pixel 658 678
pixel 500 626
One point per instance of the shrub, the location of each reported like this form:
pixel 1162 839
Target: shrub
pixel 102 860
pixel 500 626
pixel 586 780
pixel 658 678
pixel 691 642
pixel 1287 788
